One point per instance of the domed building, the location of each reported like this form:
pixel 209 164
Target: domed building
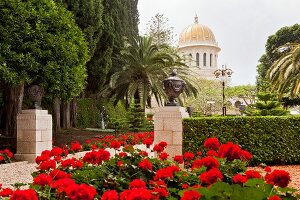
pixel 199 48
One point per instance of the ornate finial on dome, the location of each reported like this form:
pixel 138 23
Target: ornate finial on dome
pixel 196 19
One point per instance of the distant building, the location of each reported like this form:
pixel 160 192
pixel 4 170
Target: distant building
pixel 198 45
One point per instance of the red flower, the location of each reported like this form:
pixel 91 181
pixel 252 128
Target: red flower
pixel 96 157
pixel 56 151
pixel 191 195
pixel 136 194
pixel 42 158
pixel 110 195
pixel 81 192
pixel 42 180
pixel 212 153
pixel 28 194
pixel 120 163
pixel 143 153
pixel 47 164
pixel 8 153
pixel 159 193
pixel 185 186
pixel 188 156
pixel 280 178
pixel 267 169
pixel 6 192
pixel 209 162
pixel 1 158
pixel 62 184
pixel 178 159
pixel 76 146
pixel 145 164
pixel 58 174
pixel 148 142
pixel 162 144
pixel 252 174
pixel 230 151
pixel 165 173
pixel 115 144
pixel 245 155
pixel 158 148
pixel 211 176
pixel 275 197
pixel 163 155
pixel 122 154
pixel 212 143
pixel 137 184
pixel 239 179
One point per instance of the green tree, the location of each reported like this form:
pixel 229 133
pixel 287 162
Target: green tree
pixel 159 30
pixel 39 43
pixel 266 104
pixel 284 35
pixel 285 72
pixel 146 65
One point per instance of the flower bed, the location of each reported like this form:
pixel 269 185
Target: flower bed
pixel 220 173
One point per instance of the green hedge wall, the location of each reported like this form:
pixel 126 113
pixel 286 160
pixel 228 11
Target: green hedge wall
pixel 271 139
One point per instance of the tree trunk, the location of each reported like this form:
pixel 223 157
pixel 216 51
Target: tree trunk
pixel 73 112
pixel 13 98
pixel 56 115
pixel 66 115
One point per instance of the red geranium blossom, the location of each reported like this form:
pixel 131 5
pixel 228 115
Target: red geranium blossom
pixel 115 144
pixel 143 153
pixel 239 179
pixel 58 174
pixel 158 148
pixel 245 155
pixel 178 159
pixel 136 194
pixel 191 195
pixel 148 142
pixel 159 193
pixel 28 194
pixel 211 176
pixel 280 178
pixel 145 164
pixel 56 151
pixel 252 174
pixel 47 165
pixel 267 169
pixel 230 151
pixel 188 156
pixel 137 184
pixel 163 144
pixel 81 192
pixel 209 162
pixel 6 192
pixel 110 195
pixel 163 155
pixel 275 197
pixel 76 146
pixel 212 153
pixel 122 154
pixel 212 143
pixel 62 184
pixel 42 180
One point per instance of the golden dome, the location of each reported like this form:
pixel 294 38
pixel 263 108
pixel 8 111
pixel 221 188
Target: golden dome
pixel 197 34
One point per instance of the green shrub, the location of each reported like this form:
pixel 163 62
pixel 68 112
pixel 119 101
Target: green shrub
pixel 88 115
pixel 271 139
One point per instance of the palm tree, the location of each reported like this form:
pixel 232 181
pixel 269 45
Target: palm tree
pixel 146 66
pixel 284 74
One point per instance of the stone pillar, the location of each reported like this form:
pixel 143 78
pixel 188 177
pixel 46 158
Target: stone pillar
pixel 168 128
pixel 34 134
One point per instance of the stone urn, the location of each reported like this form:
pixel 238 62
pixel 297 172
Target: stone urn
pixel 173 87
pixel 35 94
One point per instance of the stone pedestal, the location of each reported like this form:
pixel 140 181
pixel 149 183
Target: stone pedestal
pixel 168 128
pixel 34 134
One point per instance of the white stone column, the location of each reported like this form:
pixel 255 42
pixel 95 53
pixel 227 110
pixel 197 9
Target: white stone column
pixel 34 134
pixel 168 128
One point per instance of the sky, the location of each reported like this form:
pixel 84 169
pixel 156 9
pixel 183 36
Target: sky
pixel 241 27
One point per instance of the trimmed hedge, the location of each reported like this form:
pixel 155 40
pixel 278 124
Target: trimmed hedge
pixel 88 115
pixel 271 139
